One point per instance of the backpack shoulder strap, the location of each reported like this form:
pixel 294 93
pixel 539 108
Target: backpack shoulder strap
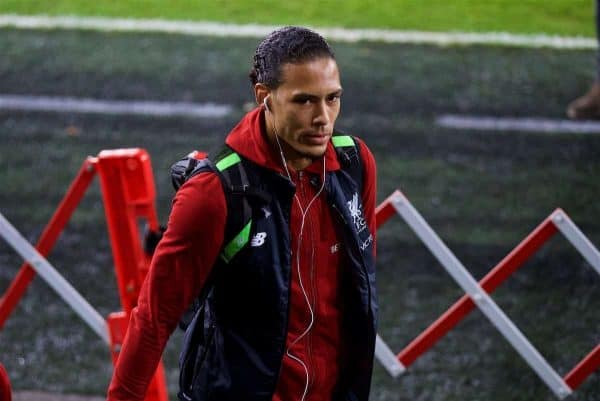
pixel 348 153
pixel 194 163
pixel 230 168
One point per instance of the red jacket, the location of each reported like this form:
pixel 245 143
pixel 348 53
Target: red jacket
pixel 191 245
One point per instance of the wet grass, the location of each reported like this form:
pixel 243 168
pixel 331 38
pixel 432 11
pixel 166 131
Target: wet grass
pixel 482 192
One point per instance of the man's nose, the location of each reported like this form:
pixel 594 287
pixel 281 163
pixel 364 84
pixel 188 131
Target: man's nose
pixel 322 114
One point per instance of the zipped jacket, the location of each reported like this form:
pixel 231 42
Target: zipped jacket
pixel 235 345
pixel 257 308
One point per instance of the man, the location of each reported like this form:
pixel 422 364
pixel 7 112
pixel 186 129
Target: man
pixel 292 315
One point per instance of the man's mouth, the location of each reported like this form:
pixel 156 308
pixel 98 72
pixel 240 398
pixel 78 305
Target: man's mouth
pixel 316 139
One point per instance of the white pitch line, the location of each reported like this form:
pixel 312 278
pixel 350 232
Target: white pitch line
pixel 526 124
pixel 253 30
pixel 120 107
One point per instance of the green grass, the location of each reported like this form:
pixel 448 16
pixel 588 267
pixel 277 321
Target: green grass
pixel 481 191
pixel 561 17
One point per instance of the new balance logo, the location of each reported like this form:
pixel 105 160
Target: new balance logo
pixel 258 239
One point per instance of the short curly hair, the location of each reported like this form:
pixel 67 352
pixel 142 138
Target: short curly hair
pixel 291 44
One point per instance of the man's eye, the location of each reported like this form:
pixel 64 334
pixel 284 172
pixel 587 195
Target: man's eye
pixel 334 98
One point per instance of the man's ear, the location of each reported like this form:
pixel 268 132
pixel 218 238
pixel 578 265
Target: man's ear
pixel 261 92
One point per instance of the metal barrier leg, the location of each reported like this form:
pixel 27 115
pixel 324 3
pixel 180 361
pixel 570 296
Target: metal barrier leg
pixel 128 195
pixel 586 367
pixel 53 278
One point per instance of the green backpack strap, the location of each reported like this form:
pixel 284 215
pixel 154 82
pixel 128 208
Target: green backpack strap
pixel 348 152
pixel 236 188
pixel 230 167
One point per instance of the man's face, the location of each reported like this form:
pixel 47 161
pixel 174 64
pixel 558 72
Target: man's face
pixel 305 106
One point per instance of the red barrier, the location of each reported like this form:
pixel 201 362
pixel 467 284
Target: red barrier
pixel 512 262
pixel 57 223
pixel 128 194
pixel 489 283
pixel 383 213
pixel 5 392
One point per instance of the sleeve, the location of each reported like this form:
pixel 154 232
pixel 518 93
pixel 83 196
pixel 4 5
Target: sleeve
pixel 369 192
pixel 180 267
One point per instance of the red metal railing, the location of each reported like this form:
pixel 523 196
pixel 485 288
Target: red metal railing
pixel 57 223
pixel 128 194
pixel 512 262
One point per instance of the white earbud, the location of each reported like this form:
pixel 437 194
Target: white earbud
pixel 265 102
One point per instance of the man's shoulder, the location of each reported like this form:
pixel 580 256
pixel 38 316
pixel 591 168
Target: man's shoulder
pixel 206 184
pixel 365 151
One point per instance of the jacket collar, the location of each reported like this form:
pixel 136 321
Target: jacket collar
pixel 249 139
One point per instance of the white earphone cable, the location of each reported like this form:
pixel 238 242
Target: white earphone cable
pixel 304 212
